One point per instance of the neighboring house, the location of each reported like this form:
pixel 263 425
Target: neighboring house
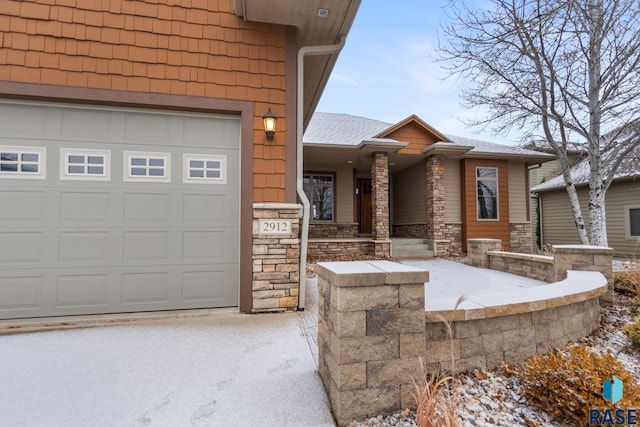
pixel 540 173
pixel 622 207
pixel 134 165
pixel 374 180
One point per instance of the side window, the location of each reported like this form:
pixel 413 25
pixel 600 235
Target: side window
pixel 23 162
pixel 204 168
pixel 319 190
pixel 487 193
pixel 632 222
pixel 89 165
pixel 147 166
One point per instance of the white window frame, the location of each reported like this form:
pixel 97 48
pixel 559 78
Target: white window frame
pixel 65 153
pixel 186 168
pixel 627 222
pixel 148 155
pixel 496 179
pixel 42 162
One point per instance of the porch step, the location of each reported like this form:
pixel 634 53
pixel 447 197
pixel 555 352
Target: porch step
pixel 410 248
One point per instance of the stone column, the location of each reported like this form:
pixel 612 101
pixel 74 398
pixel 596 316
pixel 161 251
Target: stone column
pixel 380 202
pixel 371 335
pixel 585 258
pixel 477 251
pixel 436 229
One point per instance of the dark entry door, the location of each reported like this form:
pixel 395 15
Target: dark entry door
pixel 363 205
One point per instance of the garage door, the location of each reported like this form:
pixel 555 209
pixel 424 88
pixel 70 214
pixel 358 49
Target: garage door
pixel 106 210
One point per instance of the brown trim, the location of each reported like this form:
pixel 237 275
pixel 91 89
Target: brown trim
pixel 245 109
pixel 291 113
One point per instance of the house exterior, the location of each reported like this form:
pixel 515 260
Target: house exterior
pixel 369 181
pixel 135 171
pixel 622 208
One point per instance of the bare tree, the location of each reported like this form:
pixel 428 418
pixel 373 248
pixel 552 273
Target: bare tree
pixel 566 71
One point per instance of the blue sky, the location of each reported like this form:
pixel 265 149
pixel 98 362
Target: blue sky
pixel 386 70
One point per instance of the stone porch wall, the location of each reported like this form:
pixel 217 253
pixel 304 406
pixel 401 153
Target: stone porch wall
pixel 370 329
pixel 485 253
pixel 316 248
pixel 276 259
pixel 453 233
pixel 333 229
pixel 414 231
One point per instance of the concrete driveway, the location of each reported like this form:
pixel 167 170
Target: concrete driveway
pixel 218 370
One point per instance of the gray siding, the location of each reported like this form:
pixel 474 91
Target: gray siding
pixel 409 195
pixel 452 191
pixel 559 227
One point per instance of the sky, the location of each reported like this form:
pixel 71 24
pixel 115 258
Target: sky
pixel 387 70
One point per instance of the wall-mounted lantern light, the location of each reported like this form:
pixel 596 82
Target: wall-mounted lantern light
pixel 269 124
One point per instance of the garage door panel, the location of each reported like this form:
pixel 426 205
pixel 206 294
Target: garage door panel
pixel 21 293
pixel 205 285
pixel 17 207
pixel 83 247
pixel 23 121
pixel 86 290
pixel 145 288
pixel 146 246
pixel 21 248
pixel 76 207
pixel 146 208
pixel 75 246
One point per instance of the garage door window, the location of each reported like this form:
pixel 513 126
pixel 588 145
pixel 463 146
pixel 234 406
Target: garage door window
pixel 205 169
pixel 22 162
pixel 93 165
pixel 148 167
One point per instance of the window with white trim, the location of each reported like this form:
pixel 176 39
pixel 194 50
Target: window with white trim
pixel 89 165
pixel 204 168
pixel 22 162
pixel 487 193
pixel 147 166
pixel 632 222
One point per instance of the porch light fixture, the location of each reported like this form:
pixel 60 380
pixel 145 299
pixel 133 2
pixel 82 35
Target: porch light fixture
pixel 269 124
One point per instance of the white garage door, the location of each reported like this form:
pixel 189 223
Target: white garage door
pixel 106 210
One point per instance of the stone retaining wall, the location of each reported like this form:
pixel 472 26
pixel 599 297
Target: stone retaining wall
pixel 486 253
pixel 316 248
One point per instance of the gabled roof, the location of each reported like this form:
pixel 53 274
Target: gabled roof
pixel 345 130
pixel 628 169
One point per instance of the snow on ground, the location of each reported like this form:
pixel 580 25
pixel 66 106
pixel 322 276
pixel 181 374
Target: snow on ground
pixel 224 370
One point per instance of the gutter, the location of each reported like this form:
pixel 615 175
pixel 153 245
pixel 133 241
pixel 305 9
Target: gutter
pixel 306 206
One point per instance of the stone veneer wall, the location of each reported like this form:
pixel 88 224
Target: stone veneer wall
pixel 434 176
pixel 416 231
pixel 316 248
pixel 370 328
pixel 520 237
pixel 486 342
pixel 276 260
pixel 486 253
pixel 380 202
pixel 453 233
pixel 333 230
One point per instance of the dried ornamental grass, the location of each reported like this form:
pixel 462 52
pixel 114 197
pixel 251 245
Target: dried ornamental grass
pixel 632 331
pixel 436 400
pixel 567 383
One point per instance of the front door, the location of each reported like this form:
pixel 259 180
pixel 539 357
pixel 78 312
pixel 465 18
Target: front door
pixel 363 205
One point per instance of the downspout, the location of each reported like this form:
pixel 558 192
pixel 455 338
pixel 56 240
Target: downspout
pixel 304 230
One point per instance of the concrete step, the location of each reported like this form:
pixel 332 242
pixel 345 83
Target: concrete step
pixel 411 253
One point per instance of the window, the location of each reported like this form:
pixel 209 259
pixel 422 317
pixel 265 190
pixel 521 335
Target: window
pixel 90 165
pixel 319 190
pixel 205 169
pixel 632 221
pixel 487 193
pixel 22 162
pixel 150 167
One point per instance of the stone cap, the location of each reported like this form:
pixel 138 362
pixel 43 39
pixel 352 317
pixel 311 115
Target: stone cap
pixel 583 249
pixel 484 240
pixel 370 273
pixel 545 259
pixel 578 286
